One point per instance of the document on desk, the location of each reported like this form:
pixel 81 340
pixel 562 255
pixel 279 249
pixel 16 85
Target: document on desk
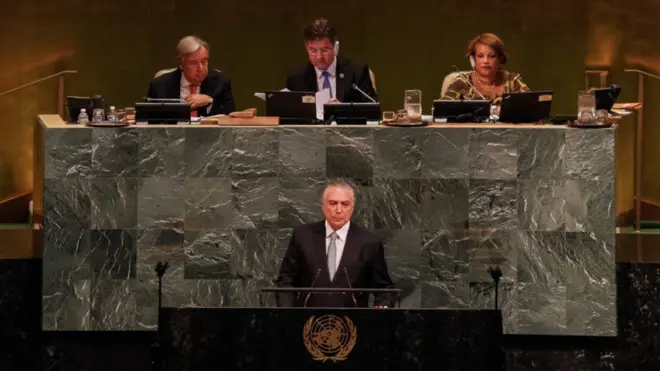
pixel 322 97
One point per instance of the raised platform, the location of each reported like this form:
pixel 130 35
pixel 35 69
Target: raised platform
pixel 219 203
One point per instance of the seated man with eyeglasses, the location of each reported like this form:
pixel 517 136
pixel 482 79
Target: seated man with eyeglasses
pixel 207 90
pixel 327 71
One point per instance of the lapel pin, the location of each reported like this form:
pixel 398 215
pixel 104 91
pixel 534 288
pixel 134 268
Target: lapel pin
pixel 341 75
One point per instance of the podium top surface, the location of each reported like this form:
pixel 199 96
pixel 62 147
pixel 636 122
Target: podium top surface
pixel 54 121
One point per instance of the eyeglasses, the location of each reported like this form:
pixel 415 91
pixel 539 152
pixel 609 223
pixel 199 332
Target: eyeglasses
pixel 316 51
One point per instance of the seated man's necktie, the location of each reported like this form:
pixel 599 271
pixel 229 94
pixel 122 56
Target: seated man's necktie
pixel 326 82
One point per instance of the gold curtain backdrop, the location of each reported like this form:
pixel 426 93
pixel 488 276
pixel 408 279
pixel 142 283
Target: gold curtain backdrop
pixel 118 46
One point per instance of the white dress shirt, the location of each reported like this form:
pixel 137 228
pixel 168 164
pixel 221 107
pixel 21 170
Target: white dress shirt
pixel 332 70
pixel 340 242
pixel 184 91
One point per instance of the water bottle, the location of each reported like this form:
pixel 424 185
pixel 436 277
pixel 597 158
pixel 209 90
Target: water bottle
pixel 98 115
pixel 83 119
pixel 112 115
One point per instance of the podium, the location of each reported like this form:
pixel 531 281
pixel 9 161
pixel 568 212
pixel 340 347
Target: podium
pixel 280 339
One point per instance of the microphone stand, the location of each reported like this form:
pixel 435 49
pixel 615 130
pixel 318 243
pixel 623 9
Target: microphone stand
pixel 495 274
pixel 156 354
pixel 318 271
pixel 467 81
pixel 348 280
pixel 365 95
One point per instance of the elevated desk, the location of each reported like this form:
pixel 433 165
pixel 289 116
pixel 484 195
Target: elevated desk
pixel 219 204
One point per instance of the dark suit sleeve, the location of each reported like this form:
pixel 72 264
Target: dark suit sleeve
pixel 223 100
pixel 290 82
pixel 380 277
pixel 151 93
pixel 366 85
pixel 288 273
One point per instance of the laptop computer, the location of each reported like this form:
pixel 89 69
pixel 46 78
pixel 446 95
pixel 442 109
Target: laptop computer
pixel 292 107
pixel 460 110
pixel 526 107
pixel 606 97
pixel 75 104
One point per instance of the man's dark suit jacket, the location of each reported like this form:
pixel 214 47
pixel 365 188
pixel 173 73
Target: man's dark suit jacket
pixel 305 265
pixel 348 73
pixel 215 85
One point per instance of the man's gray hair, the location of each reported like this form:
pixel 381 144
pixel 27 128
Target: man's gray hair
pixel 189 45
pixel 342 183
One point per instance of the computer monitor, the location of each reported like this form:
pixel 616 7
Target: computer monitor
pixel 292 107
pixel 526 107
pixel 461 110
pixel 162 113
pixel 351 113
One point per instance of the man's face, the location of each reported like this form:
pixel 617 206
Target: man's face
pixel 321 53
pixel 195 66
pixel 338 205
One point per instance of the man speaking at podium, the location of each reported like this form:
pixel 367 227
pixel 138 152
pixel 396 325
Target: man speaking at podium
pixel 334 253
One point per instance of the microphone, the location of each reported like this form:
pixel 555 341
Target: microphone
pixel 156 354
pixel 467 81
pixel 348 279
pixel 318 271
pixel 354 86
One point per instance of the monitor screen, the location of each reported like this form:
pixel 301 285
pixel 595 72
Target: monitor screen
pixel 162 113
pixel 351 113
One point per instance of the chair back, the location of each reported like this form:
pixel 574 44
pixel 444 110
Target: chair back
pixel 168 70
pixel 162 72
pixel 373 79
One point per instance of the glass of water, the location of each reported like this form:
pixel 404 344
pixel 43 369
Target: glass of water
pixel 129 113
pixel 586 107
pixel 412 103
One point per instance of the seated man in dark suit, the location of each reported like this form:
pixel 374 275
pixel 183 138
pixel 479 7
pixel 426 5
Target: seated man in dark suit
pixel 208 92
pixel 326 71
pixel 334 253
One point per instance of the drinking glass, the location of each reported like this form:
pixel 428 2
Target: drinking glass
pixel 586 107
pixel 121 115
pixel 412 103
pixel 129 113
pixel 389 116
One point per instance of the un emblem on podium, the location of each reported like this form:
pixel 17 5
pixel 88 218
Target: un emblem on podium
pixel 329 337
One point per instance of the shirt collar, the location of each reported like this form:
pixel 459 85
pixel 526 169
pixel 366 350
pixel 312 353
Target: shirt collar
pixel 332 70
pixel 341 232
pixel 184 83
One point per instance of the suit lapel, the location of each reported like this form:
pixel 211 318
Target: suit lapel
pixel 342 81
pixel 320 254
pixel 310 79
pixel 175 85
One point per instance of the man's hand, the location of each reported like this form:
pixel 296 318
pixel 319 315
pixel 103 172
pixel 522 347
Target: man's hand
pixel 198 100
pixel 334 100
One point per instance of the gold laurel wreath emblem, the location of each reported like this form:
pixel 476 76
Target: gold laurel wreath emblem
pixel 318 353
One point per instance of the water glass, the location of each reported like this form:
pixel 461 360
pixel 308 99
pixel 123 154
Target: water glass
pixel 129 113
pixel 412 103
pixel 98 115
pixel 121 115
pixel 586 107
pixel 389 116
